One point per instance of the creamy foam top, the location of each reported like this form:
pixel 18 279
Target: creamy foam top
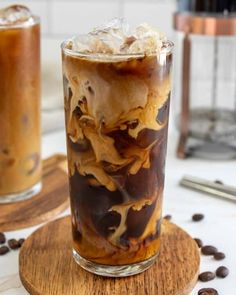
pixel 116 37
pixel 15 15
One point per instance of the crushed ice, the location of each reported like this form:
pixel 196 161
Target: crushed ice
pixel 116 37
pixel 16 14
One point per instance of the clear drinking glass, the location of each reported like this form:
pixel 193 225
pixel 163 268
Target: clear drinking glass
pixel 116 111
pixel 20 164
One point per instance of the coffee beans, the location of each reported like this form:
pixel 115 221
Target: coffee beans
pixel 199 242
pixel 217 181
pixel 222 272
pixel 208 291
pixel 4 250
pixel 20 242
pixel 209 250
pixel 206 276
pixel 219 256
pixel 2 238
pixel 167 217
pixel 197 217
pixel 13 244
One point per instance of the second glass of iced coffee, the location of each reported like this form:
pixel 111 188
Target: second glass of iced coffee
pixel 117 86
pixel 20 132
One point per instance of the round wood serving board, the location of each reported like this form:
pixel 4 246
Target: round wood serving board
pixel 52 200
pixel 47 266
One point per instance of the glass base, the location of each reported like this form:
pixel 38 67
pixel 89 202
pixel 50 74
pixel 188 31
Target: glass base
pixel 111 270
pixel 16 197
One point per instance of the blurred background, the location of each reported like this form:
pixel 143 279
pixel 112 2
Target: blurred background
pixel 61 18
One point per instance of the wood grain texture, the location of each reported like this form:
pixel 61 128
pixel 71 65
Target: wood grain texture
pixel 52 200
pixel 47 266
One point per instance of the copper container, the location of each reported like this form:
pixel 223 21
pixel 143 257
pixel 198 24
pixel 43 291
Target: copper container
pixel 205 84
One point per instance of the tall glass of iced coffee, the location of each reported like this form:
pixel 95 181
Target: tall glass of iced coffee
pixel 20 165
pixel 117 85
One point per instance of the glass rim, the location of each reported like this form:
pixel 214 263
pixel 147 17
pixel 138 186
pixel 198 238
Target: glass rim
pixel 35 20
pixel 167 48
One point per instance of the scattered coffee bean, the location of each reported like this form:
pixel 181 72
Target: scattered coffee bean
pixel 199 242
pixel 4 250
pixel 167 217
pixel 219 256
pixel 20 242
pixel 218 181
pixel 13 244
pixel 206 276
pixel 197 217
pixel 208 291
pixel 222 272
pixel 2 238
pixel 209 250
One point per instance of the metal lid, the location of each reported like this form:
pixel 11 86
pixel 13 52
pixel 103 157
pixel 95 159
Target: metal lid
pixel 207 6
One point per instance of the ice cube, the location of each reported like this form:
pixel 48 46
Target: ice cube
pixel 148 39
pixel 144 30
pixel 15 14
pixel 107 38
pixel 81 43
pixel 96 44
pixel 115 27
pixel 115 37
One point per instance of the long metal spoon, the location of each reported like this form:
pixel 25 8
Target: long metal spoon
pixel 215 189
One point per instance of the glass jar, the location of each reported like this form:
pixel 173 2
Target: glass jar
pixel 205 83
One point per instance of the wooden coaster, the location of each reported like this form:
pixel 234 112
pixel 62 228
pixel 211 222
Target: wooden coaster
pixel 52 200
pixel 47 266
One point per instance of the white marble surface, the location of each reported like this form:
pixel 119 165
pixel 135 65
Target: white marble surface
pixel 218 228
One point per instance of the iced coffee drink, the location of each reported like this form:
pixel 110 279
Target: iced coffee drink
pixel 117 85
pixel 20 166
